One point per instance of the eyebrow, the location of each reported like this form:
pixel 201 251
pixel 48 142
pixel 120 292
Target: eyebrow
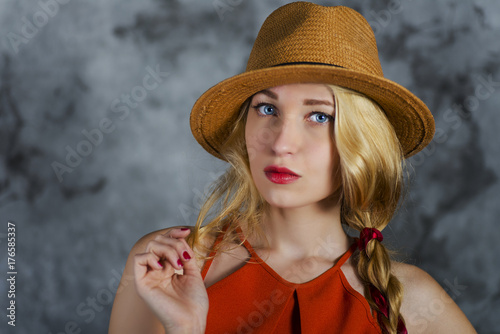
pixel 312 102
pixel 307 102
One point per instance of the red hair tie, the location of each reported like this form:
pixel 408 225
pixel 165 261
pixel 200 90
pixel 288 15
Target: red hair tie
pixel 368 234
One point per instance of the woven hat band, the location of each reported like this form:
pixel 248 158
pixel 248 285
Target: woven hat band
pixel 306 63
pixel 305 33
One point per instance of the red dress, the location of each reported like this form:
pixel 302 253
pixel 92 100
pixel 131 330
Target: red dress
pixel 255 299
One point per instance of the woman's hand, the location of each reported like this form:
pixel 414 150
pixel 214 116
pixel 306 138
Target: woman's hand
pixel 180 301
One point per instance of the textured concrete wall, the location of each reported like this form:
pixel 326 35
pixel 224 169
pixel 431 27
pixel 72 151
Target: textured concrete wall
pixel 66 71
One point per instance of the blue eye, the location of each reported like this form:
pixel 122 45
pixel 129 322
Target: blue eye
pixel 320 117
pixel 265 109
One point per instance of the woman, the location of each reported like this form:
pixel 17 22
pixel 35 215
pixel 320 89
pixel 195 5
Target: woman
pixel 315 137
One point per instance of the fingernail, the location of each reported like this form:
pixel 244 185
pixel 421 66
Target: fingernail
pixel 185 229
pixel 179 262
pixel 159 263
pixel 186 255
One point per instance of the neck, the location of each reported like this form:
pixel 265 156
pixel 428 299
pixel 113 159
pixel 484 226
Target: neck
pixel 314 230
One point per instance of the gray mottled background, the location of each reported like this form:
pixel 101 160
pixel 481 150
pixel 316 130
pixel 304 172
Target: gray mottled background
pixel 67 70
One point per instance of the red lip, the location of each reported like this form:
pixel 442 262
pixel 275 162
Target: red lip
pixel 280 175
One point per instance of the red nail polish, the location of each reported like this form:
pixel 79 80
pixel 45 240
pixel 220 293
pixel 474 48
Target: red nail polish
pixel 159 263
pixel 186 255
pixel 179 262
pixel 185 229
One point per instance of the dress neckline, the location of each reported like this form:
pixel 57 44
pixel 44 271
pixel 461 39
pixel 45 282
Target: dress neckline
pixel 317 280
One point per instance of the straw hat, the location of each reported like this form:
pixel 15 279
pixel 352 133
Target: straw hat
pixel 306 43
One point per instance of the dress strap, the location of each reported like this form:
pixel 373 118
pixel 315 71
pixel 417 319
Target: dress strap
pixel 254 256
pixel 211 256
pixel 347 254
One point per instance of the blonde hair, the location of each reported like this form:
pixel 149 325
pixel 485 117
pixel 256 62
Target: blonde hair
pixel 371 162
pixel 372 179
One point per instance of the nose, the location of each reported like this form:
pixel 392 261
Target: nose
pixel 287 137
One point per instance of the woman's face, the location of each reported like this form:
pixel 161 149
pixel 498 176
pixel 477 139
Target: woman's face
pixel 289 138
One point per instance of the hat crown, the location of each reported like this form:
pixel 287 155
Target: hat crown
pixel 307 35
pixel 303 32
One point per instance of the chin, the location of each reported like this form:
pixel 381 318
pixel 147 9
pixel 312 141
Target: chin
pixel 281 200
pixel 292 196
pixel 290 202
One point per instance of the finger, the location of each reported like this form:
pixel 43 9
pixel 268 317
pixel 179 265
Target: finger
pixel 184 252
pixel 178 232
pixel 172 251
pixel 191 268
pixel 169 240
pixel 145 262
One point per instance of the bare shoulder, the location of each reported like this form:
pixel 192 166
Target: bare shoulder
pixel 426 307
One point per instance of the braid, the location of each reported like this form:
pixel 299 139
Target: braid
pixel 371 162
pixel 383 290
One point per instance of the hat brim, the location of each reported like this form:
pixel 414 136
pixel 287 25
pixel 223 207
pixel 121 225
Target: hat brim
pixel 215 111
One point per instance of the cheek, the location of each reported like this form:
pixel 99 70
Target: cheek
pixel 323 159
pixel 335 170
pixel 252 141
pixel 249 141
pixel 257 135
